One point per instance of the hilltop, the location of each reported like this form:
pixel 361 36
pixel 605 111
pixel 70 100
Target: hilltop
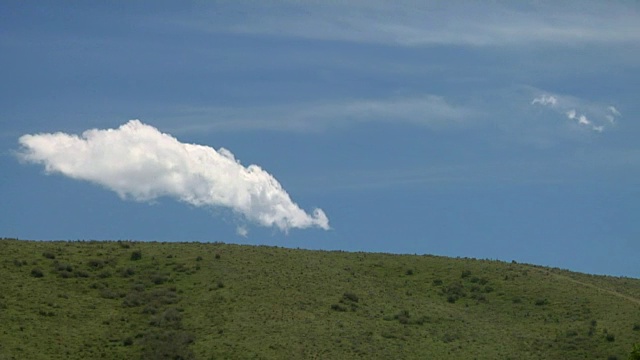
pixel 124 300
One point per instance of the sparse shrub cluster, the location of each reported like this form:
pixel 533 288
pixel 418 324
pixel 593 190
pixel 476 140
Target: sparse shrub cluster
pixel 476 286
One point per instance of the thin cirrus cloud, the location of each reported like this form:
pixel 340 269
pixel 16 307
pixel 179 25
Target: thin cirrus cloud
pixel 137 161
pixel 410 23
pixel 587 115
pixel 429 111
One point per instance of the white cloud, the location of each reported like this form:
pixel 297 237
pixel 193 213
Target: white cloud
pixel 567 105
pixel 137 161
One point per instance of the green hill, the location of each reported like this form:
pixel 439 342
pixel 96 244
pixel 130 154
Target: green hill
pixel 127 300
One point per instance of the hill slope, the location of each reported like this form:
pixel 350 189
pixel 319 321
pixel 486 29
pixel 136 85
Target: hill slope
pixel 122 300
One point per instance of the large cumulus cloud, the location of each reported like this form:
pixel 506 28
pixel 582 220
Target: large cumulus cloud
pixel 139 162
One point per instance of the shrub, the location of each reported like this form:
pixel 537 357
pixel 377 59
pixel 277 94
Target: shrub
pixel 104 275
pixel 636 327
pixel 635 353
pixel 171 318
pixel 199 258
pixel 136 255
pixel 610 337
pixel 455 290
pixel 571 333
pixel 217 256
pixel 162 296
pixel 541 302
pixel 437 282
pixel 82 274
pixel 46 313
pixel 349 296
pixel 37 272
pixel 163 344
pixel 48 255
pixel 402 317
pixel 64 267
pixel 447 338
pixel 123 244
pixel 158 278
pixel 338 307
pixel 465 274
pixel 150 309
pixel 409 272
pixel 96 263
pixel 109 294
pixel 126 272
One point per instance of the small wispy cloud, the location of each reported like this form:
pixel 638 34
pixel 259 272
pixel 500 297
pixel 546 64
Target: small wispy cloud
pixel 137 161
pixel 545 100
pixel 242 231
pixel 586 114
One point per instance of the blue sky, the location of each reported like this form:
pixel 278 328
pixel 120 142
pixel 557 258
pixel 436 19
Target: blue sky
pixel 488 130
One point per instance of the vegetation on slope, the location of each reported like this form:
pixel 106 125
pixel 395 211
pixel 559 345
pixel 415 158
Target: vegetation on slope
pixel 123 300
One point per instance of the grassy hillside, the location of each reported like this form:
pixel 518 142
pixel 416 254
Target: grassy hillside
pixel 124 300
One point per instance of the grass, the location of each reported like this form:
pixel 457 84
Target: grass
pixel 123 300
